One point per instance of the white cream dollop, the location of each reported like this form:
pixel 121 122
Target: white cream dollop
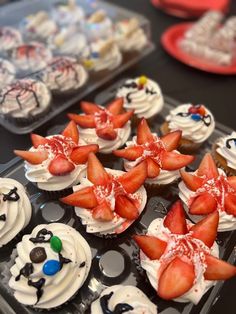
pixel 7 73
pixel 9 38
pixel 68 14
pixel 226 147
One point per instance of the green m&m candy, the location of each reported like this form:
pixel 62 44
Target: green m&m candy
pixel 56 244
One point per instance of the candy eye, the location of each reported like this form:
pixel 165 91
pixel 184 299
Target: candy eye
pixel 51 267
pixel 38 255
pixel 56 244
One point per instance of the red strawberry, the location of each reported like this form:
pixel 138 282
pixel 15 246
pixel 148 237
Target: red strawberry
pixel 34 158
pixel 232 182
pixel 206 229
pixel 86 121
pixel 89 107
pixel 103 212
pixel 144 134
pixel 38 140
pixel 116 106
pixel 175 161
pixel 95 171
pixel 151 246
pixel 80 154
pixel 82 198
pixel 230 204
pixel 176 279
pixel 171 140
pixel 60 166
pixel 125 208
pixel 175 219
pixel 203 204
pixel 218 269
pixel 120 120
pixel 133 179
pixel 130 153
pixel 207 167
pixel 72 132
pixel 153 168
pixel 191 181
pixel 107 133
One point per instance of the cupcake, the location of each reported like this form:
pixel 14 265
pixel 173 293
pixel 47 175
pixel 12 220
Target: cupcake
pixel 181 259
pixel 108 201
pixel 56 162
pixel 122 299
pixel 9 38
pixel 142 95
pixel 64 75
pixel 208 190
pixel 105 126
pixel 51 265
pixel 15 209
pixel 196 123
pixel 7 73
pixel 24 101
pixel 163 161
pixel 224 153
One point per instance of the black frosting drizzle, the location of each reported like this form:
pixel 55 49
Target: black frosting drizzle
pixel 205 119
pixel 40 237
pixel 26 271
pixel 82 265
pixel 12 195
pixel 3 217
pixel 38 285
pixel 228 145
pixel 119 308
pixel 63 260
pixel 134 85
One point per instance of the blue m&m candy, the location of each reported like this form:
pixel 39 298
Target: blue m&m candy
pixel 51 267
pixel 196 117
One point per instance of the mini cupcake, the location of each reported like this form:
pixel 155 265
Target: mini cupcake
pixel 51 265
pixel 208 190
pixel 163 161
pixel 24 101
pixel 142 95
pixel 9 38
pixel 123 299
pixel 108 201
pixel 105 126
pixel 64 75
pixel 181 259
pixel 56 162
pixel 196 123
pixel 7 73
pixel 15 209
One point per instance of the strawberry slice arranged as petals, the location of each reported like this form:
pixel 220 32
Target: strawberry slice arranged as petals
pixel 208 167
pixel 175 161
pixel 107 133
pixel 230 204
pixel 130 153
pixel 120 120
pixel 60 166
pixel 203 204
pixel 72 132
pixel 125 208
pixel 218 269
pixel 144 134
pixel 116 106
pixel 86 121
pixel 191 181
pixel 232 182
pixel 153 168
pixel 171 140
pixel 103 212
pixel 38 140
pixel 80 154
pixel 151 246
pixel 96 172
pixel 206 229
pixel 89 107
pixel 34 158
pixel 175 219
pixel 82 198
pixel 176 279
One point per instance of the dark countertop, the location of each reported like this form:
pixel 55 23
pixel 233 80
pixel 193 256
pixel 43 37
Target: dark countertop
pixel 176 80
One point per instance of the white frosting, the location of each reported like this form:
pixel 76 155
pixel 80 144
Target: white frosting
pixel 17 213
pixel 98 30
pixel 7 73
pixel 118 224
pixel 192 130
pixel 9 38
pixel 229 154
pixel 146 102
pixel 152 267
pixel 65 15
pixel 64 284
pixel 125 294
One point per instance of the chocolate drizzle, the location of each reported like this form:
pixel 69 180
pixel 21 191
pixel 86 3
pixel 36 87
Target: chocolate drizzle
pixel 12 195
pixel 82 265
pixel 64 66
pixel 41 236
pixel 3 217
pixel 206 119
pixel 228 144
pixel 63 260
pixel 134 85
pixel 37 285
pixel 119 308
pixel 26 271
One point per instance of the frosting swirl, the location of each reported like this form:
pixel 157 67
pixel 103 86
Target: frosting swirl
pixel 7 73
pixel 226 147
pixel 65 15
pixel 9 38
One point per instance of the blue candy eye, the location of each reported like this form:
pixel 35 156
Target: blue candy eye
pixel 95 54
pixel 51 267
pixel 196 117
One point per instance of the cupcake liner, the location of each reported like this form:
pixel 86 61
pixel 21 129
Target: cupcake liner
pixel 106 236
pixel 221 162
pixel 137 263
pixel 54 195
pixel 6 274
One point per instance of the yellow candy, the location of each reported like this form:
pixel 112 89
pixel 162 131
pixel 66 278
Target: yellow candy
pixel 142 80
pixel 88 63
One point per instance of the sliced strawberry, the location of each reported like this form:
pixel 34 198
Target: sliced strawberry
pixel 34 158
pixel 130 153
pixel 125 208
pixel 153 168
pixel 171 140
pixel 121 119
pixel 203 204
pixel 175 219
pixel 72 132
pixel 84 198
pixel 60 166
pixel 133 179
pixel 107 133
pixel 80 154
pixel 175 161
pixel 191 181
pixel 176 279
pixel 206 229
pixel 103 212
pixel 144 134
pixel 116 106
pixel 208 167
pixel 38 140
pixel 95 171
pixel 230 204
pixel 218 269
pixel 232 182
pixel 89 107
pixel 86 121
pixel 151 246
